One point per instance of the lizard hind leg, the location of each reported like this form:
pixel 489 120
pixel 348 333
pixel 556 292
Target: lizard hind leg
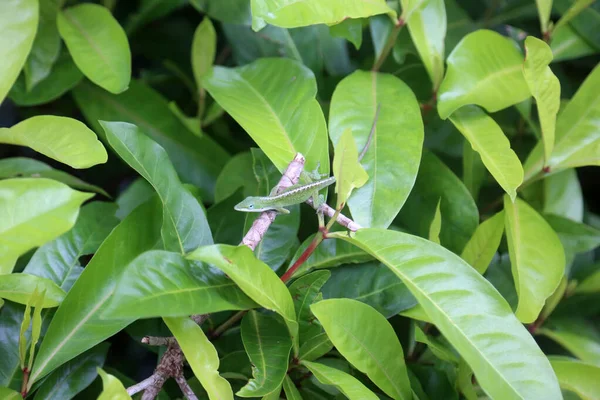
pixel 315 175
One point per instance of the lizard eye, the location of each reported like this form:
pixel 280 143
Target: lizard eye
pixel 251 206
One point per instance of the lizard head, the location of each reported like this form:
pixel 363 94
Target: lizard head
pixel 249 204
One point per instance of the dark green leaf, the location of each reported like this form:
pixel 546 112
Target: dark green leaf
pixel 305 291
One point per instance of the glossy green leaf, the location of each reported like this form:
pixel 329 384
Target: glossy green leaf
pixel 18 24
pixel 536 255
pixel 77 325
pixel 487 139
pixel 468 311
pixel 568 44
pixel 63 77
pixel 236 173
pixel 63 139
pixel 436 225
pixel 577 376
pixel 315 347
pixel 268 345
pixel 484 243
pixel 544 87
pixel 197 160
pixel 113 389
pixel 544 11
pixel 295 13
pixel 577 142
pixel 427 27
pixel 290 389
pixel 164 284
pixel 358 332
pixel 351 387
pixel 20 287
pixel 350 29
pixel 71 378
pixel 227 227
pixel 392 159
pixel 347 170
pixel 268 98
pixel 485 69
pixel 305 291
pixel 372 283
pixel 473 170
pixel 575 7
pixel 204 47
pixel 255 278
pixel 11 317
pixel 459 212
pixel 138 192
pixel 563 196
pixel 184 223
pixel 201 355
pixel 98 45
pixel 33 223
pixel 9 394
pixel 576 335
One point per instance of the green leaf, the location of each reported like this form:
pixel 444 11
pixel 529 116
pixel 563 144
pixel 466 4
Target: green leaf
pixel 113 388
pixel 63 139
pixel 236 173
pixel 204 48
pixel 184 223
pixel 20 287
pixel 24 327
pixel 567 44
pixel 227 226
pixel 98 45
pixel 197 160
pixel 393 156
pixel 563 196
pixel 201 355
pixel 436 225
pixel 367 340
pixel 151 10
pixel 295 13
pixel 577 142
pixel 427 27
pixel 485 69
pixel 63 77
pixel 575 7
pixel 473 170
pixel 77 325
pixel 349 29
pixel 576 335
pixel 575 237
pixel 544 11
pixel 373 284
pixel 544 87
pixel 347 170
pixel 351 387
pixel 33 223
pixel 71 378
pixel 268 98
pixel 230 11
pixel 290 389
pixel 164 284
pixel 459 212
pixel 11 317
pixel 9 394
pixel 255 278
pixel 46 45
pixel 138 192
pixel 513 366
pixel 305 291
pixel 590 284
pixel 18 24
pixel 268 345
pixel 487 139
pixel 577 376
pixel 484 243
pixel 315 347
pixel 536 255
pixel 440 349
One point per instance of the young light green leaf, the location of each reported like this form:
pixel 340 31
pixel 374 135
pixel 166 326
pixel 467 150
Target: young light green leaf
pixel 485 69
pixel 24 327
pixel 63 139
pixel 576 335
pixel 427 27
pixel 267 98
pixel 164 284
pixel 204 47
pixel 513 366
pixel 184 223
pixel 577 141
pixel 563 196
pixel 98 45
pixel 544 87
pixel 577 376
pixel 464 381
pixel 268 345
pixel 295 13
pixel 436 225
pixel 31 222
pixel 20 287
pixel 255 278
pixel 474 171
pixel 484 243
pixel 536 255
pixel 36 325
pixel 367 340
pixel 290 389
pixel 487 139
pixel 577 6
pixel 305 291
pixel 201 355
pixel 544 11
pixel 18 24
pixel 347 170
pixel 392 159
pixel 9 394
pixel 113 389
pixel 351 387
pixel 76 325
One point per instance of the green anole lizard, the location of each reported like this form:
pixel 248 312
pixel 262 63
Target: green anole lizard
pixel 299 193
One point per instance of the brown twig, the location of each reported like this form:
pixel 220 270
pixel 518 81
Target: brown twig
pixel 158 340
pixel 185 388
pixel 138 387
